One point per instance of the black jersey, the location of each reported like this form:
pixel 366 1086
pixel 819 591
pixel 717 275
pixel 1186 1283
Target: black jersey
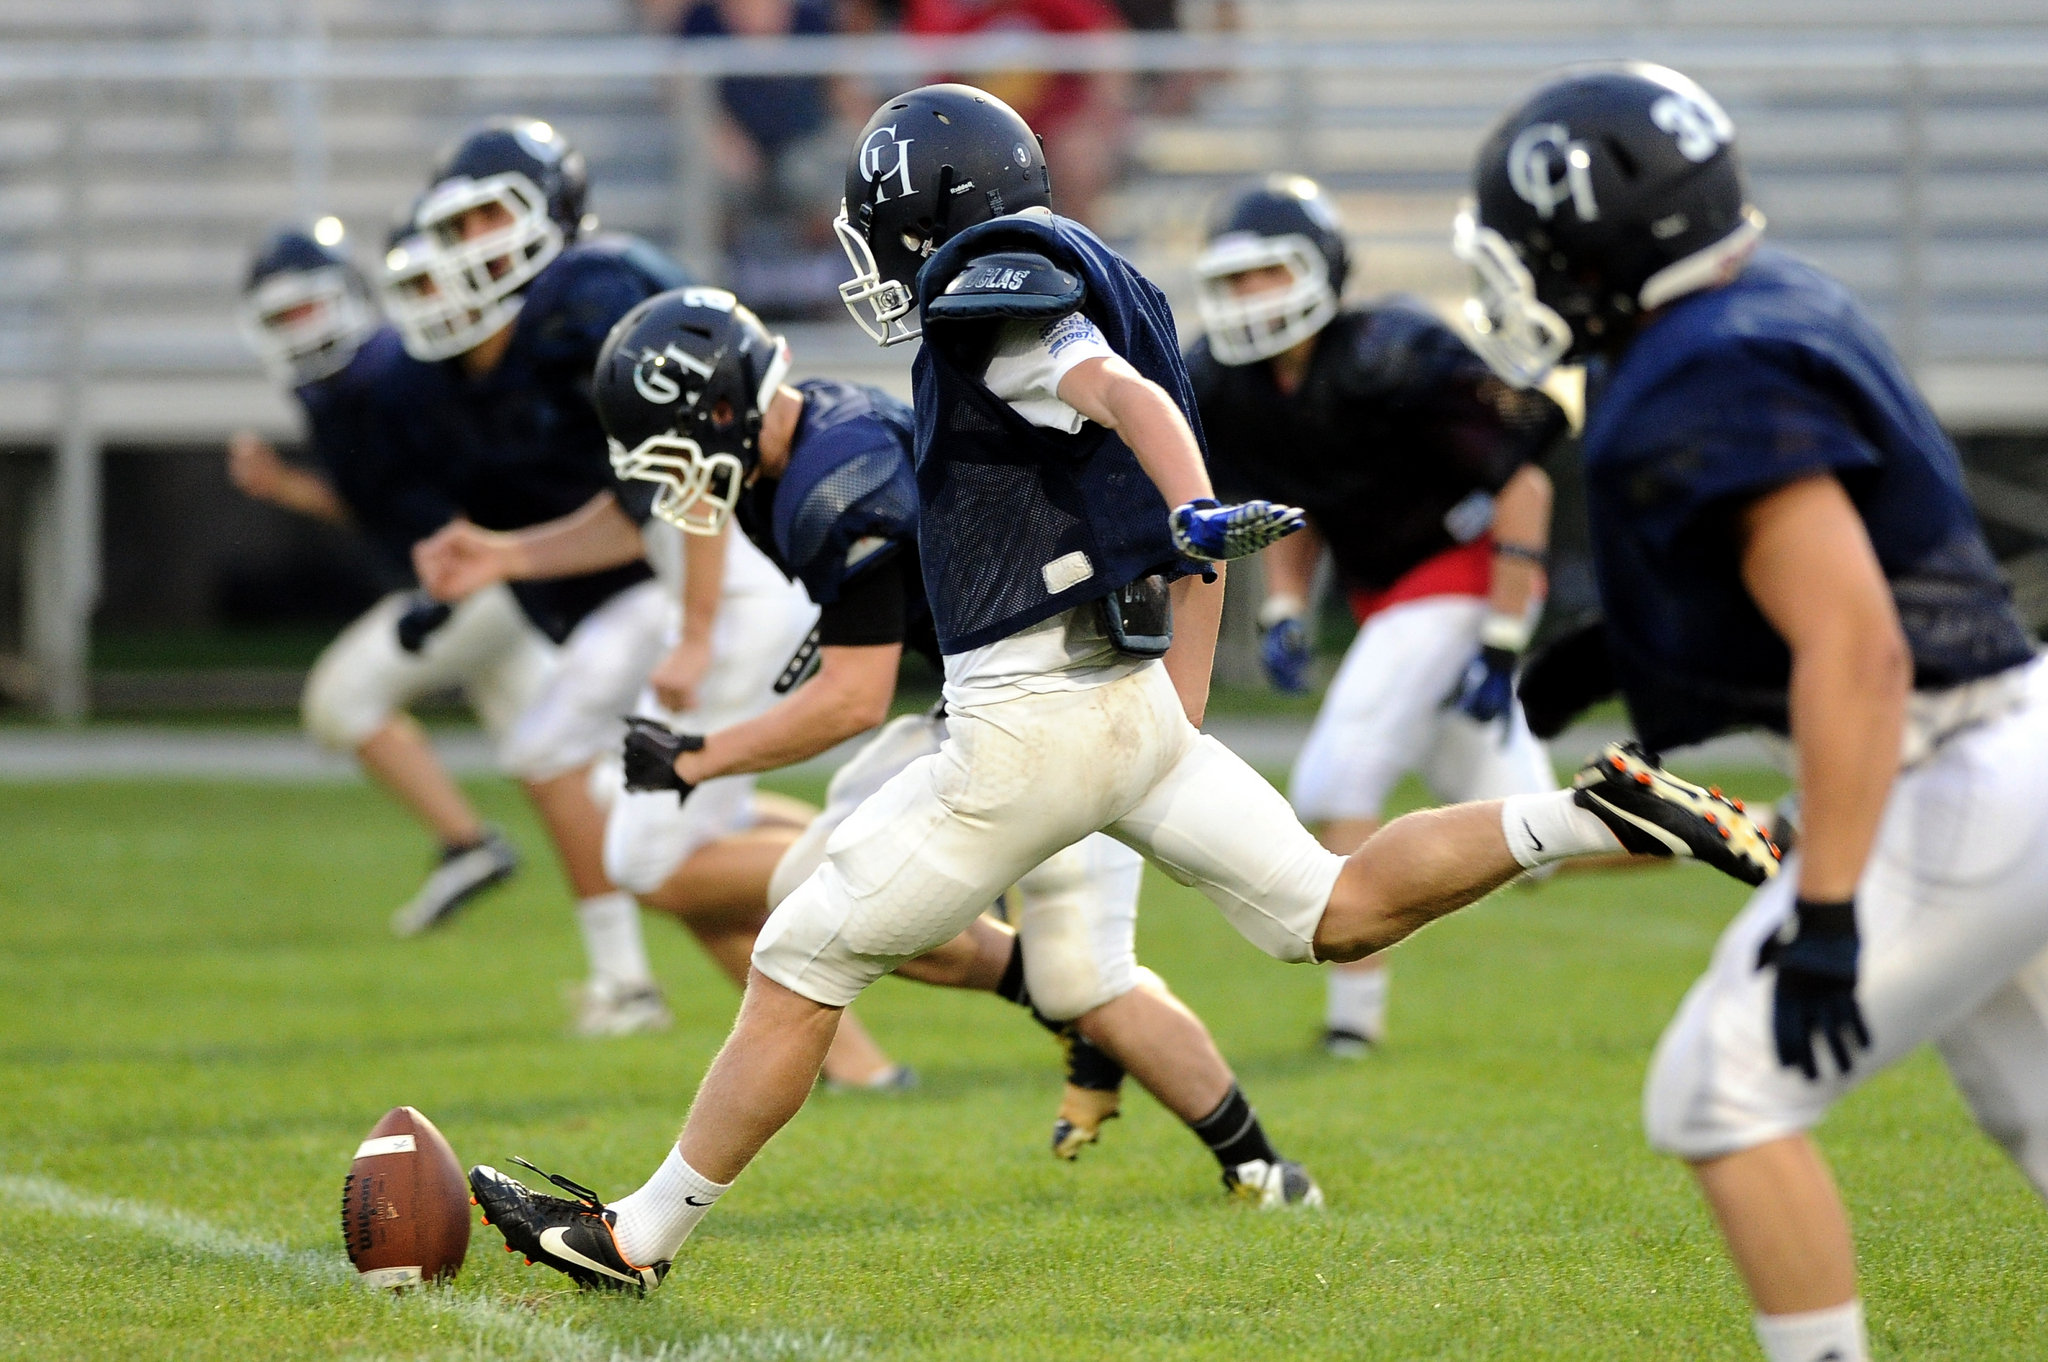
pixel 842 519
pixel 522 445
pixel 1394 444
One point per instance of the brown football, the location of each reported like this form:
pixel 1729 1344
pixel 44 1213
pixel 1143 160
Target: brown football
pixel 405 1205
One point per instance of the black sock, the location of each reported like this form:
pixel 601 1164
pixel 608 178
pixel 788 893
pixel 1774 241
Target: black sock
pixel 1233 1132
pixel 1088 1067
pixel 1010 988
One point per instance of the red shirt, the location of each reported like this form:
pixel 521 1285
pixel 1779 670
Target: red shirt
pixel 1045 100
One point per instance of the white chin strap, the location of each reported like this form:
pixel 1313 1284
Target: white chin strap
pixel 887 301
pixel 337 317
pixel 1246 328
pixel 1520 337
pixel 697 491
pixel 447 295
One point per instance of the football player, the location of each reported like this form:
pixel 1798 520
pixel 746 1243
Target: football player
pixel 1783 540
pixel 311 317
pixel 502 303
pixel 1063 502
pixel 818 474
pixel 1416 469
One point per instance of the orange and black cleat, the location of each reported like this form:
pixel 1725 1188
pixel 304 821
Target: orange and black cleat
pixel 1654 813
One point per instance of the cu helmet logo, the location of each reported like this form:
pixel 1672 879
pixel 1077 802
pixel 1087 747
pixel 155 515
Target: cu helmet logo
pixel 1699 125
pixel 876 167
pixel 652 379
pixel 1546 167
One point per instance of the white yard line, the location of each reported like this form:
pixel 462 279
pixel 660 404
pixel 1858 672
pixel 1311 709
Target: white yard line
pixel 508 1333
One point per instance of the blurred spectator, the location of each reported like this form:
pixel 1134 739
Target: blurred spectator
pixel 1080 115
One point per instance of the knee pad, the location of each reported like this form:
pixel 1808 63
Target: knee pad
pixel 643 841
pixel 337 715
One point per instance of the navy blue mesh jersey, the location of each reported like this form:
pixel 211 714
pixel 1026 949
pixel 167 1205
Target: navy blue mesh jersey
pixel 1016 522
pixel 392 506
pixel 847 502
pixel 1394 443
pixel 1777 376
pixel 523 444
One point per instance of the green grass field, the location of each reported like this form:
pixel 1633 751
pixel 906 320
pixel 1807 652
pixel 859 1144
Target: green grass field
pixel 206 1013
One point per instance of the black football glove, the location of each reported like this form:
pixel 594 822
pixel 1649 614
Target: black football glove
pixel 1816 987
pixel 650 757
pixel 423 615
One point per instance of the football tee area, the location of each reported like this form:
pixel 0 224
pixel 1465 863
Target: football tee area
pixel 207 1011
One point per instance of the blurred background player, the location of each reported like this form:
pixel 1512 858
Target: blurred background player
pixel 1416 468
pixel 732 648
pixel 818 474
pixel 1784 540
pixel 312 318
pixel 502 307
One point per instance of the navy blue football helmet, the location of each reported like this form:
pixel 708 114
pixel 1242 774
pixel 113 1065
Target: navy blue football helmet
pixel 1285 222
pixel 929 164
pixel 1609 192
pixel 305 308
pixel 501 204
pixel 681 385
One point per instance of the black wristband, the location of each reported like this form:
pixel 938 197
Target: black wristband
pixel 1526 552
pixel 1827 919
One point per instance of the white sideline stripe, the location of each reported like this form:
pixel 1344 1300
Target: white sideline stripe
pixel 518 1334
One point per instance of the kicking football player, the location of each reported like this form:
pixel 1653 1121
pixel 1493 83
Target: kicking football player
pixel 1783 540
pixel 310 316
pixel 1061 484
pixel 502 308
pixel 1415 467
pixel 819 475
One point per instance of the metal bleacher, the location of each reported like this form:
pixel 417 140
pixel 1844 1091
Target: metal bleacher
pixel 146 145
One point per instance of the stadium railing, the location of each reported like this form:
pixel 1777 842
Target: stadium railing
pixel 1909 159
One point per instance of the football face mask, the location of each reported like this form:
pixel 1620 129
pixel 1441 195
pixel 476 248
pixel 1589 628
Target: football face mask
pixel 887 302
pixel 457 281
pixel 1518 335
pixel 1244 328
pixel 696 492
pixel 307 325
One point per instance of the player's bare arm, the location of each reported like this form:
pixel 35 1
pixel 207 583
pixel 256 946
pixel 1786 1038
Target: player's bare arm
pixel 1521 534
pixel 849 695
pixel 676 677
pixel 1109 392
pixel 261 474
pixel 1809 565
pixel 463 558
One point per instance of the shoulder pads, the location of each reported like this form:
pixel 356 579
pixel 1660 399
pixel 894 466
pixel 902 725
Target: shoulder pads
pixel 1019 285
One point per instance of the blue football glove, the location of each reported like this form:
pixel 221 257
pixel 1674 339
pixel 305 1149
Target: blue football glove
pixel 1816 987
pixel 1488 686
pixel 650 757
pixel 1284 650
pixel 1210 533
pixel 423 615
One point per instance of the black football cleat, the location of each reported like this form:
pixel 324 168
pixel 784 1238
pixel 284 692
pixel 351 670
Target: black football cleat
pixel 464 872
pixel 573 1237
pixel 1654 813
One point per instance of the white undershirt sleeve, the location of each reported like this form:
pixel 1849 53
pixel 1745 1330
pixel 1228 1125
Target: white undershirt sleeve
pixel 1030 360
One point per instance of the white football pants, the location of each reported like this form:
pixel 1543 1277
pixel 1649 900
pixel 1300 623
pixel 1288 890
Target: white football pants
pixel 763 618
pixel 576 718
pixel 1017 781
pixel 1077 913
pixel 1384 716
pixel 1953 909
pixel 487 650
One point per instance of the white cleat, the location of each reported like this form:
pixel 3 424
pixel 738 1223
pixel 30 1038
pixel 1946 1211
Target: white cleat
pixel 607 1009
pixel 1284 1185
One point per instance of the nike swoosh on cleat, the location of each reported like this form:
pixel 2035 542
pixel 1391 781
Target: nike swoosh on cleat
pixel 1679 846
pixel 692 1201
pixel 555 1241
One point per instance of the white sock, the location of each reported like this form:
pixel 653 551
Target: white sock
pixel 1357 1002
pixel 654 1221
pixel 611 937
pixel 1542 828
pixel 1831 1335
